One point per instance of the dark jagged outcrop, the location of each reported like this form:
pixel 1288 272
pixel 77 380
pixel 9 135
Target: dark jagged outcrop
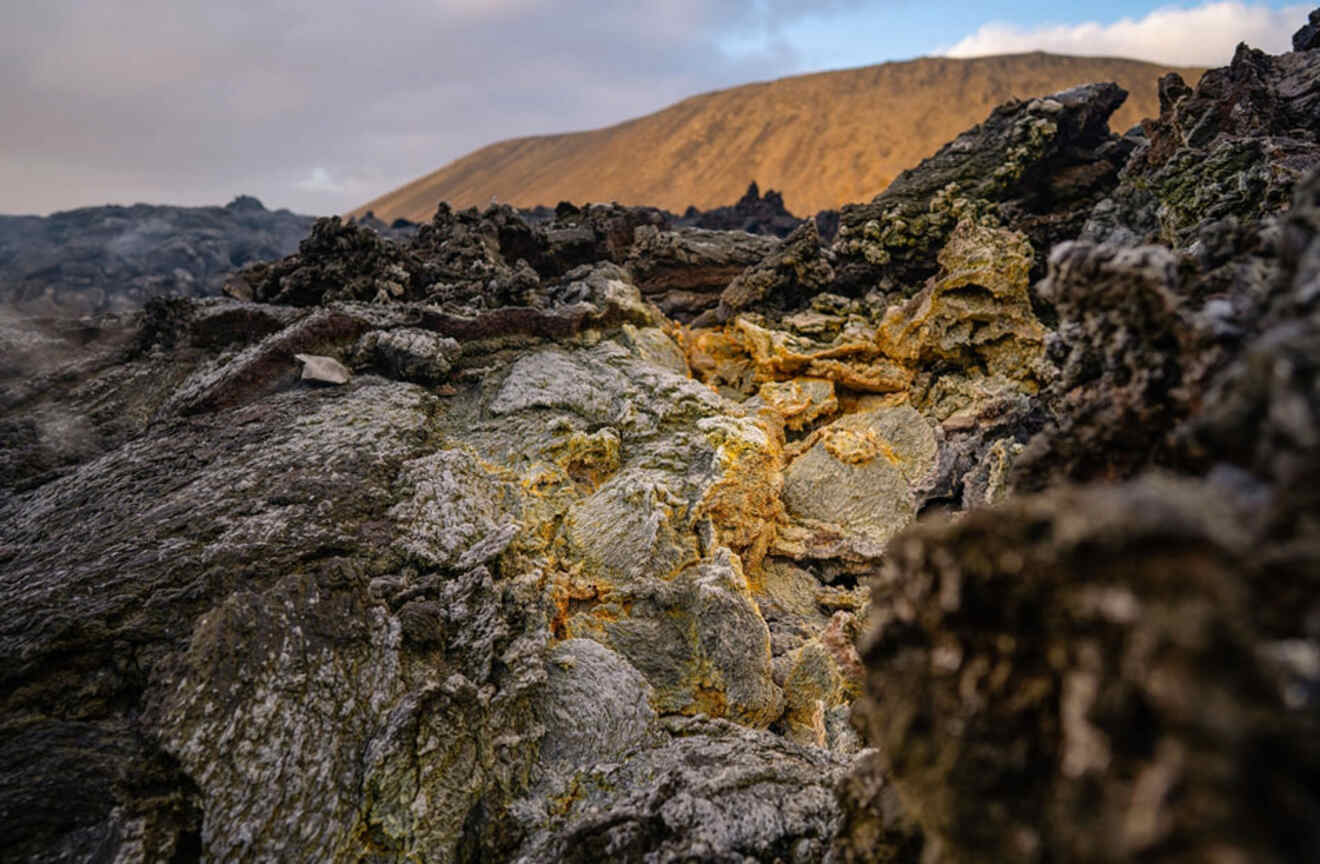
pixel 752 213
pixel 1230 149
pixel 113 259
pixel 1038 166
pixel 456 547
pixel 1307 38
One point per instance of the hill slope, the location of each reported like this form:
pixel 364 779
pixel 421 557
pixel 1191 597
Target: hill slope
pixel 823 139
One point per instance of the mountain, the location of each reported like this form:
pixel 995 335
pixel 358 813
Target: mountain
pixel 822 140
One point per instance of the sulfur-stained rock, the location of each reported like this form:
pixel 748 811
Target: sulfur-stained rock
pixel 742 501
pixel 552 577
pixel 700 643
pixel 799 401
pixel 633 526
pixel 853 359
pixel 975 313
pixel 859 476
pixel 812 687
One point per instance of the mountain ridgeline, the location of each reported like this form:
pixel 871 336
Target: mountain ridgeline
pixel 822 140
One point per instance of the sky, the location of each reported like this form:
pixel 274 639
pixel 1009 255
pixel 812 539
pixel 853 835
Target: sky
pixel 321 106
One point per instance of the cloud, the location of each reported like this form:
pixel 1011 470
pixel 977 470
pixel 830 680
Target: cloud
pixel 1201 36
pixel 156 100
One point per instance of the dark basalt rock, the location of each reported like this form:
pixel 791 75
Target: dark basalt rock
pixel 1118 348
pixel 337 261
pixel 113 259
pixel 753 213
pixel 1307 38
pixel 684 271
pixel 1233 147
pixel 1038 166
pixel 1076 677
pixel 787 278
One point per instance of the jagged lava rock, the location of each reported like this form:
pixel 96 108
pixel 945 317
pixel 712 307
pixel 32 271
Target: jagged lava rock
pixel 1233 147
pixel 1037 166
pixel 553 576
pixel 753 213
pixel 1074 677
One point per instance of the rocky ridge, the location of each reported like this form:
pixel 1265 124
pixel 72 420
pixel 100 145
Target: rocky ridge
pixel 982 532
pixel 99 260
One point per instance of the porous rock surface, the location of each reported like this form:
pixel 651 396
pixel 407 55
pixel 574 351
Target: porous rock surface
pixel 974 541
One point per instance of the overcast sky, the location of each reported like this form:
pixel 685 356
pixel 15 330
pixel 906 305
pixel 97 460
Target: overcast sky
pixel 320 106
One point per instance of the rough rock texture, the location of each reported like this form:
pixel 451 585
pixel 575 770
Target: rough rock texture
pixel 1037 166
pixel 1131 671
pixel 1077 677
pixel 1230 149
pixel 714 792
pixel 787 278
pixel 685 270
pixel 113 259
pixel 549 575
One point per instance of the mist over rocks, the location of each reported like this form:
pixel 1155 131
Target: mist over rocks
pixel 113 259
pixel 985 531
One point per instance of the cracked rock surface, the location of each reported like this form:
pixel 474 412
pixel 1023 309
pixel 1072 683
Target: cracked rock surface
pixel 987 531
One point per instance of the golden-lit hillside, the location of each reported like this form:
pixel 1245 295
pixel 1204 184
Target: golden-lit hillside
pixel 823 139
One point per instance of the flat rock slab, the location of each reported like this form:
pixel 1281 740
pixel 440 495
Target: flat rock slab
pixel 326 370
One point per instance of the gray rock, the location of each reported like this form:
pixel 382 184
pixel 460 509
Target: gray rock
pixel 595 708
pixel 326 370
pixel 410 354
pixel 714 792
pixel 861 476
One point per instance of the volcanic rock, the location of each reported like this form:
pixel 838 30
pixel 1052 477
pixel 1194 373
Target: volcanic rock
pixel 554 576
pixel 1073 677
pixel 113 259
pixel 1308 37
pixel 752 213
pixel 1038 166
pixel 1233 147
